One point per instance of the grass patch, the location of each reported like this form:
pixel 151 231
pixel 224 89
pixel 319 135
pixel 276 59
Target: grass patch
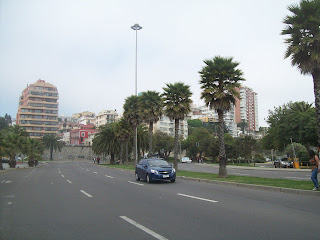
pixel 272 182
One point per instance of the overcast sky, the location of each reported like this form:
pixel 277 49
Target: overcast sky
pixel 86 48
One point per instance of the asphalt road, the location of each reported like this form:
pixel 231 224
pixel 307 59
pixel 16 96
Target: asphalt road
pixel 261 171
pixel 79 200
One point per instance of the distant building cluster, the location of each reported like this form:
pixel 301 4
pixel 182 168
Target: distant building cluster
pixel 245 110
pixel 38 114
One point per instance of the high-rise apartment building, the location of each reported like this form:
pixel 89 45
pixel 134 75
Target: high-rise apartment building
pixel 38 109
pixel 247 108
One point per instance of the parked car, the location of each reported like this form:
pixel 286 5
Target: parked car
pixel 186 160
pixel 5 160
pixel 153 169
pixel 283 163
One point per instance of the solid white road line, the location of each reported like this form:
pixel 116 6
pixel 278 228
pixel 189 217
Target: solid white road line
pixel 85 193
pixel 109 176
pixel 147 230
pixel 140 184
pixel 69 181
pixel 203 199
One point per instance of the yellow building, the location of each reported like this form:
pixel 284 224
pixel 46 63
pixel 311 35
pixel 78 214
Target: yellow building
pixel 38 109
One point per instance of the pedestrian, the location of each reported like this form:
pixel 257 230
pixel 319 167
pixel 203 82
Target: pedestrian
pixel 98 160
pixel 94 160
pixel 314 162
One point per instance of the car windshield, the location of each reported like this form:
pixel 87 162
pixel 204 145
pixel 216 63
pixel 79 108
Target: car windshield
pixel 158 163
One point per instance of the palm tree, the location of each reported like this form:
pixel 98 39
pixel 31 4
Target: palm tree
pixel 106 142
pixel 132 115
pixel 143 139
pixel 151 106
pixel 33 148
pixel 304 45
pixel 219 82
pixel 52 142
pixel 12 144
pixel 123 133
pixel 176 98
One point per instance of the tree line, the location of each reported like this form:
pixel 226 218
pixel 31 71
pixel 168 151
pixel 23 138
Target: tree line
pixel 15 141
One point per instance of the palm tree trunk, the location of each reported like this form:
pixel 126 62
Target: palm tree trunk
pixel 127 152
pixel 112 158
pixel 150 138
pixel 222 151
pixel 121 152
pixel 176 143
pixel 316 88
pixel 135 140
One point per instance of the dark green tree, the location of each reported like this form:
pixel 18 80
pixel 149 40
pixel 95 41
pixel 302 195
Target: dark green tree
pixel 220 79
pixel 177 103
pixel 164 144
pixel 303 44
pixel 33 148
pixel 106 141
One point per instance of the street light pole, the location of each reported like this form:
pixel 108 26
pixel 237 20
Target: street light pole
pixel 136 27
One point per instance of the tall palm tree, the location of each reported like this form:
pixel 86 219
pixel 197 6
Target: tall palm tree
pixel 106 142
pixel 151 106
pixel 52 142
pixel 219 82
pixel 132 115
pixel 143 139
pixel 177 103
pixel 303 44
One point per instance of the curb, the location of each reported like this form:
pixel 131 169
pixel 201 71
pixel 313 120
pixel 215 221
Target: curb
pixel 253 186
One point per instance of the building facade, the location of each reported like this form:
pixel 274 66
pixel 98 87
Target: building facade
pixel 167 126
pixel 38 109
pixel 106 116
pixel 211 116
pixel 247 109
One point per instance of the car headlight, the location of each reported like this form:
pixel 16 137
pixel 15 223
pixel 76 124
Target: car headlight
pixel 173 170
pixel 154 171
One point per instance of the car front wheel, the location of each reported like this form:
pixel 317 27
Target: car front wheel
pixel 137 177
pixel 148 179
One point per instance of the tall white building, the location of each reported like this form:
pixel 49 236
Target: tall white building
pixel 247 108
pixel 167 126
pixel 228 117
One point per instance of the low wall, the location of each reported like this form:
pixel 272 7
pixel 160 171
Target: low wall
pixel 72 153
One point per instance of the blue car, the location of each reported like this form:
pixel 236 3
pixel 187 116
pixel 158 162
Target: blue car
pixel 153 169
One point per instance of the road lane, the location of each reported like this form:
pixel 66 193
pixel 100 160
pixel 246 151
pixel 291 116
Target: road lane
pixel 46 206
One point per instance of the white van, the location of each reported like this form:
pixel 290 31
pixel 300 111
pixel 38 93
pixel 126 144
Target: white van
pixel 186 160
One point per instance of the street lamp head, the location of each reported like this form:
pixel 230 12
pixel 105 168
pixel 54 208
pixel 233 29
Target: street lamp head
pixel 136 27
